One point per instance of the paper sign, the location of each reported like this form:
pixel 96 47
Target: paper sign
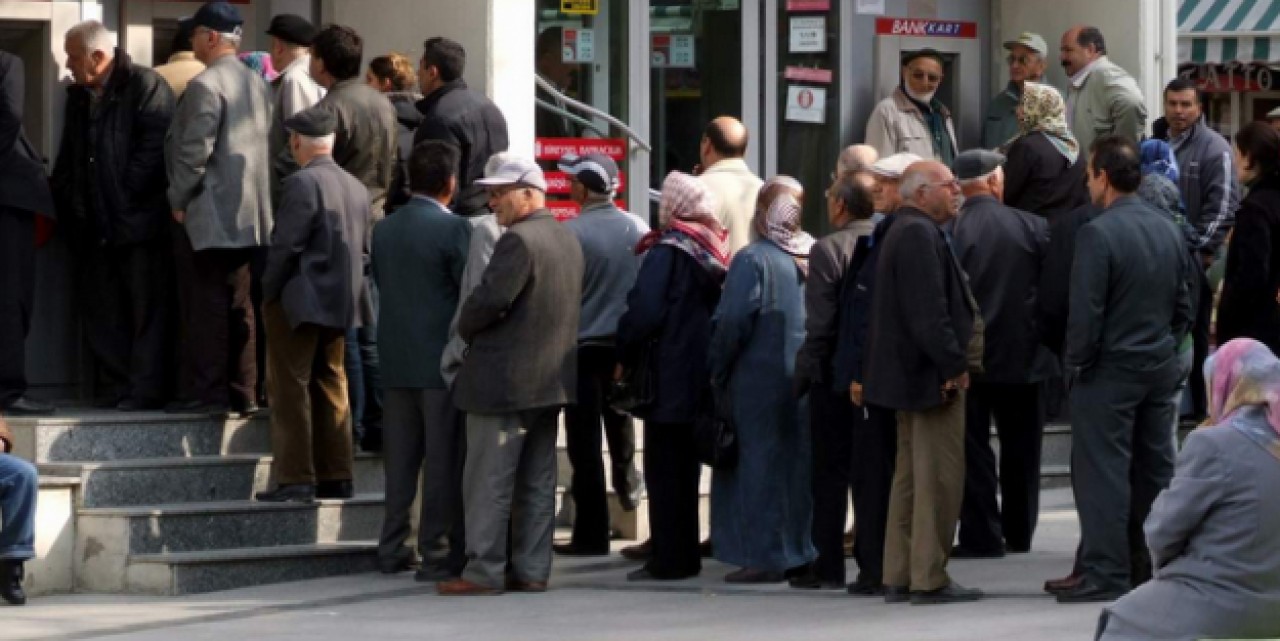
pixel 806 104
pixel 555 148
pixel 934 28
pixel 580 7
pixel 809 34
pixel 673 50
pixel 808 74
pixel 870 7
pixel 578 45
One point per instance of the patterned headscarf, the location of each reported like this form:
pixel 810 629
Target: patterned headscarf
pixel 687 221
pixel 260 63
pixel 778 218
pixel 1043 110
pixel 1244 373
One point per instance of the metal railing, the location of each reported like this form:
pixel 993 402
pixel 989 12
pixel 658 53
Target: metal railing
pixel 588 109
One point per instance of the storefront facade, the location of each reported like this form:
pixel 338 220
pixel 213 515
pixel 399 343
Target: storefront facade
pixel 1232 52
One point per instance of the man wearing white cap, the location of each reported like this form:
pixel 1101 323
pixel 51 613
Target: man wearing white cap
pixel 521 323
pixel 1026 63
pixel 888 173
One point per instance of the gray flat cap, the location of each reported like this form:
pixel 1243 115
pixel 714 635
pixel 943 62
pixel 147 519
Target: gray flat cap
pixel 312 122
pixel 975 163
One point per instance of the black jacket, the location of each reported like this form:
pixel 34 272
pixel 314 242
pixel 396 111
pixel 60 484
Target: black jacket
pixel 23 184
pixel 468 119
pixel 407 120
pixel 1055 275
pixel 1001 249
pixel 856 294
pixel 829 262
pixel 1039 179
pixel 1248 306
pixel 671 303
pixel 921 321
pixel 109 181
pixel 366 140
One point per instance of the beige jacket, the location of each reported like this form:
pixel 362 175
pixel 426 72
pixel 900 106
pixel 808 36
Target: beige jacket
pixel 735 188
pixel 179 70
pixel 1109 102
pixel 896 126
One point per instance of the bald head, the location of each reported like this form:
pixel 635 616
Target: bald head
pixel 856 158
pixel 724 137
pixel 1080 46
pixel 930 187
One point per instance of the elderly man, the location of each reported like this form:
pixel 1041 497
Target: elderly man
pixel 1121 351
pixel 888 178
pixel 925 338
pixel 1001 249
pixel 1026 64
pixel 108 184
pixel 311 294
pixel 1103 98
pixel 1273 118
pixel 912 119
pixel 522 325
pixel 182 65
pixel 18 489
pixel 855 158
pixel 220 192
pixel 608 236
pixel 723 169
pixel 293 90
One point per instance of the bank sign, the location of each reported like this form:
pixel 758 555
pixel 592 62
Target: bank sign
pixel 925 28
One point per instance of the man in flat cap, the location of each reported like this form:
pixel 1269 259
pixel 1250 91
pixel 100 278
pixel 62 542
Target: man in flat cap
pixel 293 90
pixel 312 290
pixel 912 119
pixel 220 192
pixel 521 323
pixel 1026 63
pixel 1001 249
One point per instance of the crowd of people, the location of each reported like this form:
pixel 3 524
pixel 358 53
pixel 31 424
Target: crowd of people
pixel 372 263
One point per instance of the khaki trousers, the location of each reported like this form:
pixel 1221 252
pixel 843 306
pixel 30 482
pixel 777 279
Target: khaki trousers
pixel 310 419
pixel 928 489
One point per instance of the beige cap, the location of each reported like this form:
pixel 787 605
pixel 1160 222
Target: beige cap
pixel 894 166
pixel 1032 41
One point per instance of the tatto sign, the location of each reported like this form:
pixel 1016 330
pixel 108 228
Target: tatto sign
pixel 925 28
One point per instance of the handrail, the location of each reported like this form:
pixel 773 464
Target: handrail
pixel 551 89
pixel 561 111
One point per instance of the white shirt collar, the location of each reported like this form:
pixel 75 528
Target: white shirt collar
pixel 1077 80
pixel 433 200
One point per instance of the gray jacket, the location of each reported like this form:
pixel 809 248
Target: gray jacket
pixel 1210 190
pixel 828 261
pixel 1214 536
pixel 484 235
pixel 217 159
pixel 608 237
pixel 1109 102
pixel 522 322
pixel 292 91
pixel 315 267
pixel 368 135
pixel 1001 124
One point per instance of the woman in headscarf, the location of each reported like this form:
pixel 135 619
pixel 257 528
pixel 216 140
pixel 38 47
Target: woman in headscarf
pixel 761 510
pixel 260 63
pixel 1248 307
pixel 1214 535
pixel 667 328
pixel 1043 173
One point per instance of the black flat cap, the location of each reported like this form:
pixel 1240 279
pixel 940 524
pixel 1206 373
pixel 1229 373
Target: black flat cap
pixel 217 16
pixel 911 56
pixel 312 122
pixel 293 29
pixel 975 163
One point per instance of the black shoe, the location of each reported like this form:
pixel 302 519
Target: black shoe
pixel 433 574
pixel 371 441
pixel 572 549
pixel 1088 592
pixel 294 492
pixel 961 552
pixel 749 575
pixel 865 588
pixel 27 406
pixel 107 402
pixel 401 561
pixel 896 594
pixel 638 552
pixel 246 410
pixel 11 583
pixel 131 404
pixel 704 549
pixel 951 593
pixel 186 407
pixel 342 489
pixel 811 581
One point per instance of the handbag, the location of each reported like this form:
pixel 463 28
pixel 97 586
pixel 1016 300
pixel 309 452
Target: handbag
pixel 714 434
pixel 635 390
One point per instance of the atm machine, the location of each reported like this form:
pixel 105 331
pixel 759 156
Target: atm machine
pixel 961 91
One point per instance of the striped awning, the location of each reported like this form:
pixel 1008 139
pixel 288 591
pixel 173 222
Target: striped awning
pixel 1224 31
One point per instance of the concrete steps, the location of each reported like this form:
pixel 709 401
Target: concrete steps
pixel 172 573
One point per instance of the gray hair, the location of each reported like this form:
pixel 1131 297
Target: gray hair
pixel 94 36
pixel 232 39
pixel 317 142
pixel 912 181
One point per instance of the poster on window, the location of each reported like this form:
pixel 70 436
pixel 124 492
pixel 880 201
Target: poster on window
pixel 806 104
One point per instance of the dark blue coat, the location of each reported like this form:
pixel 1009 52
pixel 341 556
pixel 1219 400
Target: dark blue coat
pixel 855 310
pixel 672 302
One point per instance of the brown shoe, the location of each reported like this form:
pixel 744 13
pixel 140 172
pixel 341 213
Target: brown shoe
pixel 1065 584
pixel 463 587
pixel 639 551
pixel 516 585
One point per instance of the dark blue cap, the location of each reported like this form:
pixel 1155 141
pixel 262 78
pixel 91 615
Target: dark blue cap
pixel 217 16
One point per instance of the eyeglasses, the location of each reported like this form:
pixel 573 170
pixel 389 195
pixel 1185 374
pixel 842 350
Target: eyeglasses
pixel 945 184
pixel 922 75
pixel 1023 60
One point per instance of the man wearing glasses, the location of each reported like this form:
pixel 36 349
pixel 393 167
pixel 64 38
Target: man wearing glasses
pixel 1026 63
pixel 912 119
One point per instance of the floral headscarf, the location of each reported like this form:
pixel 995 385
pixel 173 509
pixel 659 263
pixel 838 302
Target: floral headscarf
pixel 1043 110
pixel 778 218
pixel 1242 374
pixel 260 63
pixel 687 221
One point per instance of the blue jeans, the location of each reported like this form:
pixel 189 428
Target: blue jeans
pixel 18 485
pixel 364 378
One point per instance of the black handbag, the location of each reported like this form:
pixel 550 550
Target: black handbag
pixel 714 434
pixel 635 390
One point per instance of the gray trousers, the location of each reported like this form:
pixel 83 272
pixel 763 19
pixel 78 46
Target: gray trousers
pixel 510 478
pixel 422 433
pixel 1122 456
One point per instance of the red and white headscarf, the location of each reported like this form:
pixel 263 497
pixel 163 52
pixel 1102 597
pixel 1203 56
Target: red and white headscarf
pixel 687 220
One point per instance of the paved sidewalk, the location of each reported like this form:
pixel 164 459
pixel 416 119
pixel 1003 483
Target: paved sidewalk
pixel 589 600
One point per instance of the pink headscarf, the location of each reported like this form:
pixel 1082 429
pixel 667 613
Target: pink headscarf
pixel 1243 373
pixel 688 209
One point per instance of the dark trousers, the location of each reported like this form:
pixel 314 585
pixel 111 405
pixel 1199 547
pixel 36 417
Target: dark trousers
pixel 582 431
pixel 364 375
pixel 671 473
pixel 831 423
pixel 1122 457
pixel 874 447
pixel 219 354
pixel 126 306
pixel 984 525
pixel 17 298
pixel 1200 348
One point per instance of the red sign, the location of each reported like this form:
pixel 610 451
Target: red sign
pixel 808 5
pixel 807 74
pixel 926 28
pixel 567 209
pixel 554 148
pixel 558 182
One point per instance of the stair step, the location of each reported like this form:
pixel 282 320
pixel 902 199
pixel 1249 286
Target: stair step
pixel 173 573
pixel 107 436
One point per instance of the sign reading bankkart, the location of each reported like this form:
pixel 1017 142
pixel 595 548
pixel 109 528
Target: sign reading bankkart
pixel 925 28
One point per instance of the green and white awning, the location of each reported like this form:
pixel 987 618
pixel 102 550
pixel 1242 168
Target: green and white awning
pixel 1224 31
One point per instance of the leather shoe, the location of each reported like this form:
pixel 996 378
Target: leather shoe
pixel 1065 584
pixel 865 588
pixel 516 585
pixel 810 581
pixel 1087 592
pixel 433 574
pixel 896 594
pixel 401 561
pixel 291 493
pixel 27 406
pixel 950 593
pixel 961 552
pixel 638 552
pixel 749 575
pixel 571 549
pixel 11 583
pixel 341 489
pixel 463 587
pixel 131 404
pixel 187 407
pixel 239 410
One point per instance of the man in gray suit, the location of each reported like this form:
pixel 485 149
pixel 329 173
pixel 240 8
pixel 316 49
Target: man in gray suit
pixel 1131 304
pixel 219 189
pixel 418 259
pixel 312 289
pixel 522 325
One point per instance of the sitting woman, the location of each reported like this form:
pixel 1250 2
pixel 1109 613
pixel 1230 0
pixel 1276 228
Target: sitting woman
pixel 1215 533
